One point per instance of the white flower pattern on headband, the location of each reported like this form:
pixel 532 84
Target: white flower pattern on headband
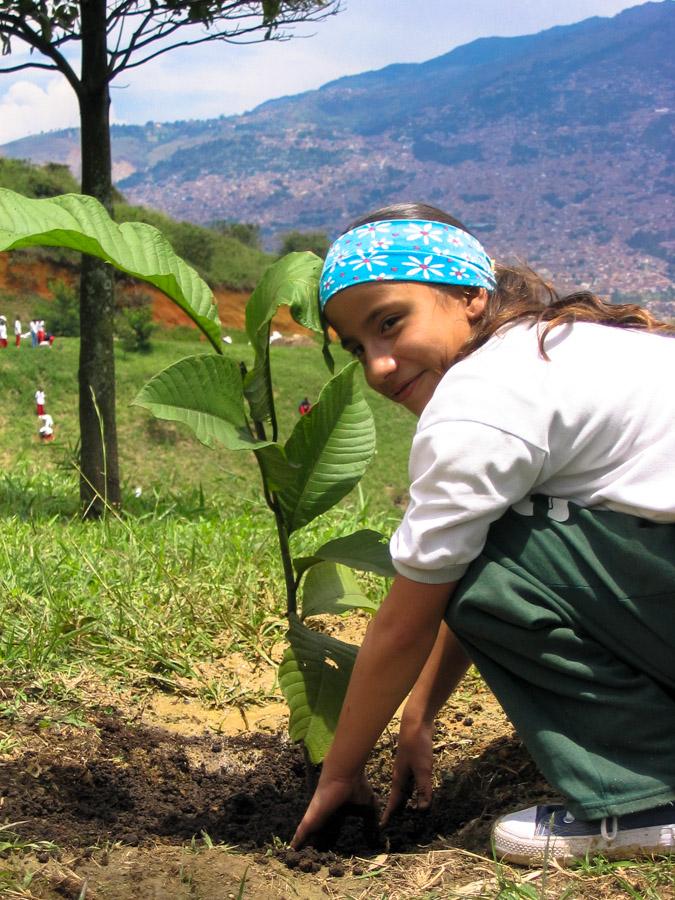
pixel 368 258
pixel 382 243
pixel 372 228
pixel 381 251
pixel 424 267
pixel 424 233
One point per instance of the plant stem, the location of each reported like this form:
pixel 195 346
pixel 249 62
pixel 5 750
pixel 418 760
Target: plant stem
pixel 287 561
pixel 282 531
pixel 284 546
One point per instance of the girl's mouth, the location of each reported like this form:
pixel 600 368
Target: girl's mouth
pixel 402 394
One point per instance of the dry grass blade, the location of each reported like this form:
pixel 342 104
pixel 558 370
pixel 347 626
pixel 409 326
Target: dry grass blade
pixel 68 883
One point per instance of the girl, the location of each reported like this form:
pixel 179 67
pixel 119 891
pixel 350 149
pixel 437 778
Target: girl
pixel 539 540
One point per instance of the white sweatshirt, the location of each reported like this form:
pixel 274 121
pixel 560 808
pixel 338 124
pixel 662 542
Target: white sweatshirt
pixel 594 426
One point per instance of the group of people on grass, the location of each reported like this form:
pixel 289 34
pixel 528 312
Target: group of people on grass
pixel 37 333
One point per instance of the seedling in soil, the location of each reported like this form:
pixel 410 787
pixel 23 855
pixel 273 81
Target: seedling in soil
pixel 225 404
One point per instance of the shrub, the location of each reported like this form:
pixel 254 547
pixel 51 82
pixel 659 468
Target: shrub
pixel 134 325
pixel 246 233
pixel 63 316
pixel 313 241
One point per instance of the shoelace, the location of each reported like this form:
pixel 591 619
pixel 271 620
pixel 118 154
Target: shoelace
pixel 608 836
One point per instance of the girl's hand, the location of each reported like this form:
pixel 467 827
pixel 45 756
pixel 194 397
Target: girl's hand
pixel 413 767
pixel 331 794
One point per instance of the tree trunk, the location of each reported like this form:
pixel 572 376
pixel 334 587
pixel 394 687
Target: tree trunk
pixel 99 475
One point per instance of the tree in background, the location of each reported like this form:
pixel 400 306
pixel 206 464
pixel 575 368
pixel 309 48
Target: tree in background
pixel 114 37
pixel 194 243
pixel 63 314
pixel 315 241
pixel 134 324
pixel 245 232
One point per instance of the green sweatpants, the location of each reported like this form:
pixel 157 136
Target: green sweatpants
pixel 569 615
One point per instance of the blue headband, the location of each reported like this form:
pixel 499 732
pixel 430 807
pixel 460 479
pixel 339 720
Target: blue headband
pixel 405 250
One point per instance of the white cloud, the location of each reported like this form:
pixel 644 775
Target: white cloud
pixel 27 107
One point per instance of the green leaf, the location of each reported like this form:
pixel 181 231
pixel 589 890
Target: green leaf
pixel 277 471
pixel 294 281
pixel 205 393
pixel 332 445
pixel 82 223
pixel 331 589
pixel 366 550
pixel 314 674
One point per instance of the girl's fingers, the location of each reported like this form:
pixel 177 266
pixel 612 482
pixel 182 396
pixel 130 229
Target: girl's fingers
pixel 401 791
pixel 393 804
pixel 328 799
pixel 310 823
pixel 302 833
pixel 417 785
pixel 423 794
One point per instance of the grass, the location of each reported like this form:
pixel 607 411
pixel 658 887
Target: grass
pixel 144 598
pixel 148 596
pixel 186 576
pixel 163 458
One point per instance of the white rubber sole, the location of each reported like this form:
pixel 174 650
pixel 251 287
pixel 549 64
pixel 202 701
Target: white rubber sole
pixel 511 847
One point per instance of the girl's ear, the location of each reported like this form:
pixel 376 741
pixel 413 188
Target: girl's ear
pixel 475 306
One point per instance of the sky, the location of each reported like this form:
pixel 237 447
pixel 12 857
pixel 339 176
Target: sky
pixel 217 79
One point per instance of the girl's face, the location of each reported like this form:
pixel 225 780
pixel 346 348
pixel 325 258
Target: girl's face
pixel 405 334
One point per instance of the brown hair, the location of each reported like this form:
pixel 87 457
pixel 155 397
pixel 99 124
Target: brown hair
pixel 522 294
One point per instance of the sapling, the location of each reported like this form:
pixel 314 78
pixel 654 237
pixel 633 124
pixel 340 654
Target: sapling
pixel 223 403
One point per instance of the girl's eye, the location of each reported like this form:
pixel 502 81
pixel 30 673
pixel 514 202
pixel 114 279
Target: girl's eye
pixel 389 322
pixel 356 351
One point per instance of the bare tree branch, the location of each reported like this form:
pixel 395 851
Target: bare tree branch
pixel 147 33
pixel 35 40
pixel 30 65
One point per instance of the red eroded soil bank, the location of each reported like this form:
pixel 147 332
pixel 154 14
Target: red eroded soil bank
pixel 32 276
pixel 231 309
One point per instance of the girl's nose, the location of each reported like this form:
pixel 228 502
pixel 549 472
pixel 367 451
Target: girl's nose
pixel 378 367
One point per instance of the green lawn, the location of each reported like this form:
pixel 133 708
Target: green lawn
pixel 191 563
pixel 161 457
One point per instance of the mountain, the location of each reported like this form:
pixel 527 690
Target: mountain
pixel 556 147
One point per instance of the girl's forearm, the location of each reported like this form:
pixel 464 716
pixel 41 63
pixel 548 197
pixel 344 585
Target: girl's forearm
pixel 394 652
pixel 446 666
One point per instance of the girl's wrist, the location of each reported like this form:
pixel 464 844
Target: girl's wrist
pixel 335 770
pixel 417 715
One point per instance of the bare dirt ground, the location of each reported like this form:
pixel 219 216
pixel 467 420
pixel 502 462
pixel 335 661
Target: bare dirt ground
pixel 114 795
pixel 172 799
pixel 131 795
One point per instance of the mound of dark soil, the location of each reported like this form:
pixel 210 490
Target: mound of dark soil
pixel 117 781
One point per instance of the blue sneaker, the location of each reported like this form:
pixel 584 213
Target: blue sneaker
pixel 551 832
